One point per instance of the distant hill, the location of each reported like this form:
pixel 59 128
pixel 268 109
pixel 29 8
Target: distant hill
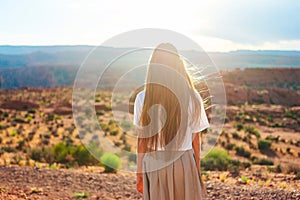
pixel 48 66
pixel 17 50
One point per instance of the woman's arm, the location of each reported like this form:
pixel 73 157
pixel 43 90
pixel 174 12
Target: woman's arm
pixel 196 148
pixel 141 149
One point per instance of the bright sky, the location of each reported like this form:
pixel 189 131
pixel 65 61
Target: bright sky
pixel 216 25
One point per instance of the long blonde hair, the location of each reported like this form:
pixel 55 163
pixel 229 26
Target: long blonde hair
pixel 174 95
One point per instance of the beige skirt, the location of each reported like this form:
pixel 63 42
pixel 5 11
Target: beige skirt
pixel 180 180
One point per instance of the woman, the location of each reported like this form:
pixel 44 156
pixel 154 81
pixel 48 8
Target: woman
pixel 169 115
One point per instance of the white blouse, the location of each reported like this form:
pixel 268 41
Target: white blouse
pixel 187 143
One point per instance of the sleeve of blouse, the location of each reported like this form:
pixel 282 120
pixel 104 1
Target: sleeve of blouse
pixel 204 120
pixel 137 111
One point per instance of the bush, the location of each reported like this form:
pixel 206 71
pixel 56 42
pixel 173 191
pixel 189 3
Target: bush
pixel 8 149
pixel 276 169
pixel 252 130
pixel 238 126
pixel 216 159
pixel 277 124
pixel 111 162
pixel 272 138
pixel 14 133
pixel 83 157
pixel 127 147
pixel 43 154
pixel 235 135
pixel 263 161
pixel 246 164
pixel 264 145
pixel 114 132
pixel 100 112
pixel 291 114
pixel 242 152
pixel 65 154
pixel 229 146
pixel 19 120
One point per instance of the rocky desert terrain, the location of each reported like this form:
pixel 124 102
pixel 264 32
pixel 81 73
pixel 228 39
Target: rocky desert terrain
pixel 257 154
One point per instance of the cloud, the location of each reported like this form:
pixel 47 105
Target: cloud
pixel 252 22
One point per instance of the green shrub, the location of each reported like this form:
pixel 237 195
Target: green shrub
pixel 127 147
pixel 252 130
pixel 19 120
pixel 276 169
pixel 100 112
pixel 83 157
pixel 216 159
pixel 50 117
pixel 246 164
pixel 242 152
pixel 2 126
pixel 32 111
pixel 111 162
pixel 277 124
pixel 44 154
pixel 291 114
pixel 104 127
pixel 235 135
pixel 66 154
pixel 117 143
pixel 238 126
pixel 60 152
pixel 81 195
pixel 263 161
pixel 123 138
pixel 114 132
pixel 14 133
pixel 229 146
pixel 8 149
pixel 272 138
pixel 264 145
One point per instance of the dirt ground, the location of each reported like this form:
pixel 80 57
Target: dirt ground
pixel 43 183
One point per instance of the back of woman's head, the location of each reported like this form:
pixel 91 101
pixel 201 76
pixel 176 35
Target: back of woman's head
pixel 167 84
pixel 166 56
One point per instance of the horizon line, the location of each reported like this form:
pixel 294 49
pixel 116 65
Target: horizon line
pixel 89 45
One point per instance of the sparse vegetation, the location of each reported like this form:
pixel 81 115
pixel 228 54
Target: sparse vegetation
pixel 235 135
pixel 272 138
pixel 238 126
pixel 263 161
pixel 81 195
pixel 42 135
pixel 276 169
pixel 242 152
pixel 216 159
pixel 252 130
pixel 111 162
pixel 65 154
pixel 229 146
pixel 264 145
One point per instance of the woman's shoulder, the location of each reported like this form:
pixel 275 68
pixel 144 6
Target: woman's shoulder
pixel 140 95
